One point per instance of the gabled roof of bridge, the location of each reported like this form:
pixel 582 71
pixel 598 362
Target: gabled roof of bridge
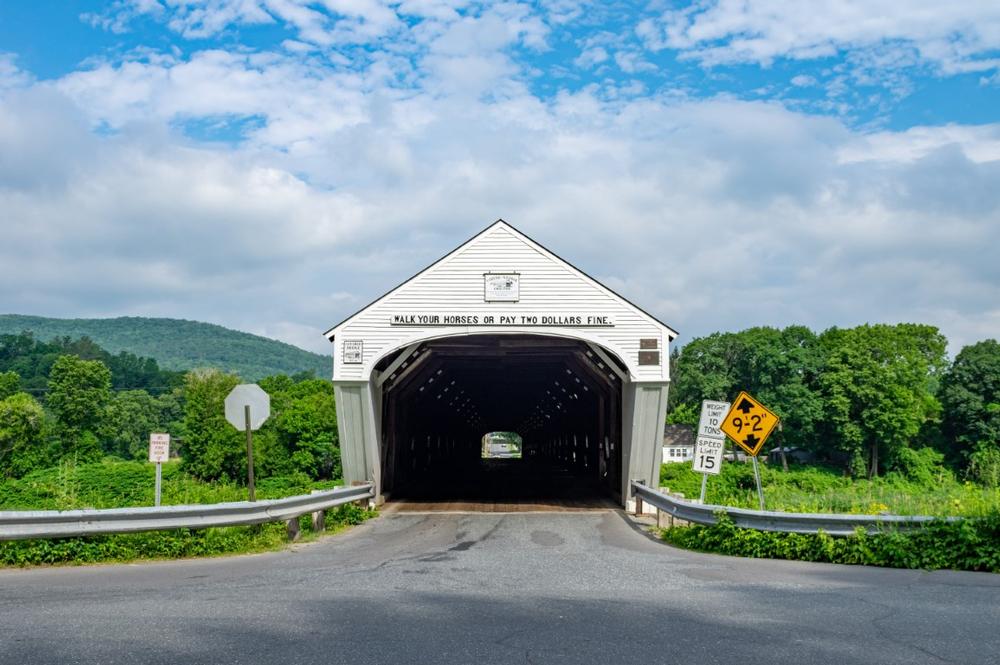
pixel 530 242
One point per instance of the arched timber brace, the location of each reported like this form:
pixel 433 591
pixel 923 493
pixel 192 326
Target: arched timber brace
pixel 501 335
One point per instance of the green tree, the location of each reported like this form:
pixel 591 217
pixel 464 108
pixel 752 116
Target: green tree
pixel 79 394
pixel 779 367
pixel 685 413
pixel 704 369
pixel 276 385
pixel 213 448
pixel 10 383
pixel 306 428
pixel 132 415
pixel 878 384
pixel 970 399
pixel 33 359
pixel 170 406
pixel 22 436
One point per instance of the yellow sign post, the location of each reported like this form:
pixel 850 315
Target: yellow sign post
pixel 749 423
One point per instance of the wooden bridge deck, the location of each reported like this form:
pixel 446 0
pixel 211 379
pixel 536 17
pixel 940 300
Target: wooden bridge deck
pixel 497 506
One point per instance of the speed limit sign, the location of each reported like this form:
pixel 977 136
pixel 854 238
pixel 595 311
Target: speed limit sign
pixel 708 455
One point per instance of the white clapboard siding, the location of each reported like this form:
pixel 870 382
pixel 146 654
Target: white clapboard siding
pixel 454 286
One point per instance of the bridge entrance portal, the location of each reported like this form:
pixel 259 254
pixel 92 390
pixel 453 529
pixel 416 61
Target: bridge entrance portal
pixel 562 399
pixel 501 335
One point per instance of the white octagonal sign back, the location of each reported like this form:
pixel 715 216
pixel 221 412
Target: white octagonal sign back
pixel 247 394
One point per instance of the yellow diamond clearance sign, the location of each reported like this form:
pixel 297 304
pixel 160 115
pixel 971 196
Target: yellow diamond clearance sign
pixel 749 423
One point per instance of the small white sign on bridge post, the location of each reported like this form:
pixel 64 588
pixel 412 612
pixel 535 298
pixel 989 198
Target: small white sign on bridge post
pixel 159 452
pixel 710 441
pixel 247 408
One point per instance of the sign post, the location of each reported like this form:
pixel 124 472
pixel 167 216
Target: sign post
pixel 249 430
pixel 749 423
pixel 159 452
pixel 710 442
pixel 247 408
pixel 756 475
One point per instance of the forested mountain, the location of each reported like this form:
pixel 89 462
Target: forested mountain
pixel 177 344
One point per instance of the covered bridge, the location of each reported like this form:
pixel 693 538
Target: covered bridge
pixel 501 335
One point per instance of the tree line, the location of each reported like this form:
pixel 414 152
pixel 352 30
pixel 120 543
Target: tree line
pixel 71 400
pixel 872 398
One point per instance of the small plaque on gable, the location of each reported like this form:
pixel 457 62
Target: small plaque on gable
pixel 501 287
pixel 354 351
pixel 649 343
pixel 649 357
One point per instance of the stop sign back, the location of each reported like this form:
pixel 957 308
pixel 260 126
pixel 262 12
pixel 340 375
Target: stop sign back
pixel 243 395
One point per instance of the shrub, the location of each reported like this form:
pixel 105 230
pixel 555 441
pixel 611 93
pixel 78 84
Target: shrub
pixel 984 466
pixel 175 544
pixel 22 435
pixel 922 466
pixel 968 544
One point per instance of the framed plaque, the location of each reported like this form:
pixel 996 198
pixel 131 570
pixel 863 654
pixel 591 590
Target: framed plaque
pixel 501 287
pixel 354 351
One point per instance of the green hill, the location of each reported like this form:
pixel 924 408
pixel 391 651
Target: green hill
pixel 178 344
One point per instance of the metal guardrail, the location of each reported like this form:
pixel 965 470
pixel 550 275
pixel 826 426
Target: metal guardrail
pixel 20 525
pixel 765 520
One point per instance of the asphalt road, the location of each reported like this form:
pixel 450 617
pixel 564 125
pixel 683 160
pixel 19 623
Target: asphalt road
pixel 496 588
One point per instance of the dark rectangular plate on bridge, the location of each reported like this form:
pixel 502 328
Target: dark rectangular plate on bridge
pixel 649 357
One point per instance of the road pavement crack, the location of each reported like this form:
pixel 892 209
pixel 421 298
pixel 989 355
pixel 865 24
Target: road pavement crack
pixel 888 635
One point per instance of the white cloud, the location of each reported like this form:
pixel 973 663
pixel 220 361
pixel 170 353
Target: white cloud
pixel 632 62
pixel 591 56
pixel 442 10
pixel 957 36
pixel 348 186
pixel 978 144
pixel 356 167
pixel 299 100
pixel 332 22
pixel 12 76
pixel 117 17
pixel 196 19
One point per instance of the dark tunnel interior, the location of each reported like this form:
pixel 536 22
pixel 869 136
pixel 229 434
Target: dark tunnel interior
pixel 560 395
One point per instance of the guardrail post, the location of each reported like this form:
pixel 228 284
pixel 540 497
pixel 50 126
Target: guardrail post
pixel 638 499
pixel 318 518
pixel 293 529
pixel 366 503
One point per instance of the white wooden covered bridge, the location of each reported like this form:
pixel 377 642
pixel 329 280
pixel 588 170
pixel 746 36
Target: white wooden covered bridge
pixel 501 335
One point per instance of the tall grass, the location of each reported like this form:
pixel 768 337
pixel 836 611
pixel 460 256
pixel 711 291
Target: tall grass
pixel 120 484
pixel 819 489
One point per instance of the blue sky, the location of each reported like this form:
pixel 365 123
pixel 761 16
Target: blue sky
pixel 185 157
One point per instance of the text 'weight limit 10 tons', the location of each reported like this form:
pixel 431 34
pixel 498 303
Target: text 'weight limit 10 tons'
pixel 711 441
